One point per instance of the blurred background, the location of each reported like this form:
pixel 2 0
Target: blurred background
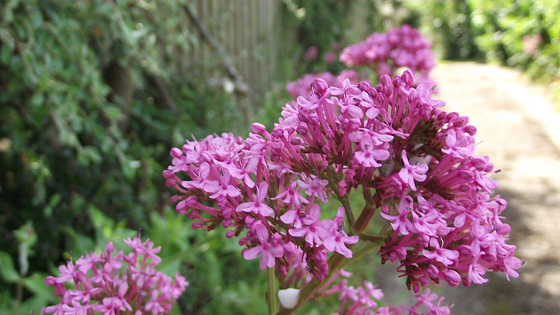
pixel 94 94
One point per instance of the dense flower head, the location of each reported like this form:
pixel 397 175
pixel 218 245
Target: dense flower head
pixel 302 86
pixel 116 284
pixel 400 47
pixel 411 161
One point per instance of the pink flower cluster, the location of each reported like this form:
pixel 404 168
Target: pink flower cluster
pixel 531 44
pixel 424 187
pixel 366 299
pixel 101 284
pixel 302 86
pixel 400 47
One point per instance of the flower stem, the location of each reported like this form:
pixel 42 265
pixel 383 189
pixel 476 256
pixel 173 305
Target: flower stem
pixel 337 261
pixel 307 292
pixel 271 291
pixel 359 254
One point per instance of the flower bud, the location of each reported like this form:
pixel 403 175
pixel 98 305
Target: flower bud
pixel 289 298
pixel 181 207
pixel 302 128
pixel 452 277
pixel 503 229
pixel 296 141
pixel 206 157
pixel 364 86
pixel 397 81
pixel 193 215
pixel 258 128
pixel 197 225
pixel 385 80
pixel 110 247
pixel 176 153
pixel 471 130
pixel 408 78
pixel 319 87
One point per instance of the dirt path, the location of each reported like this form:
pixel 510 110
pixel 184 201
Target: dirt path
pixel 520 132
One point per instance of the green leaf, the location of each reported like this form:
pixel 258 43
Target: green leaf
pixel 36 284
pixel 7 270
pixel 37 100
pixel 93 154
pixel 5 54
pixel 34 304
pixel 82 243
pixel 53 202
pixel 26 235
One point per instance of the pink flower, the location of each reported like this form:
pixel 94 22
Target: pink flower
pixel 268 250
pixel 312 229
pixel 445 256
pixel 101 285
pixel 330 57
pixel 315 186
pixel 337 242
pixel 410 173
pixel 338 238
pixel 401 223
pixel 400 47
pixel 340 138
pixel 531 44
pixel 302 86
pixel 311 53
pixel 370 158
pixel 258 206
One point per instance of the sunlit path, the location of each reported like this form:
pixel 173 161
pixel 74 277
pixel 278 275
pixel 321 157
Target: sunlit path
pixel 516 126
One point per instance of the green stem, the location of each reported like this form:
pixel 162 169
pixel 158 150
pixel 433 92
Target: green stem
pixel 360 254
pixel 309 290
pixel 379 239
pixel 271 291
pixel 337 261
pixel 19 294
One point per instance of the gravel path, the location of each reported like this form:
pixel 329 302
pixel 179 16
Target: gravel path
pixel 520 132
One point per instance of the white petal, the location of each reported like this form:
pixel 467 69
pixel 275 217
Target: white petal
pixel 289 297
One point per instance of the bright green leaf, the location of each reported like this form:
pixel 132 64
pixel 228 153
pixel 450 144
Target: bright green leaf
pixel 7 270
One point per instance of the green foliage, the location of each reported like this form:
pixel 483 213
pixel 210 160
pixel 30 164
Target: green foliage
pixel 221 280
pixel 505 29
pixel 320 24
pixel 518 33
pixel 93 96
pixel 34 283
pixel 449 25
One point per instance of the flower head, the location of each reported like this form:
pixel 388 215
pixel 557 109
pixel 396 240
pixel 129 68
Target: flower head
pixel 101 284
pixel 393 144
pixel 400 47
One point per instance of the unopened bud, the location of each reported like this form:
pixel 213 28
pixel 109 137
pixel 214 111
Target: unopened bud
pixel 319 87
pixel 258 128
pixel 289 298
pixel 176 153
